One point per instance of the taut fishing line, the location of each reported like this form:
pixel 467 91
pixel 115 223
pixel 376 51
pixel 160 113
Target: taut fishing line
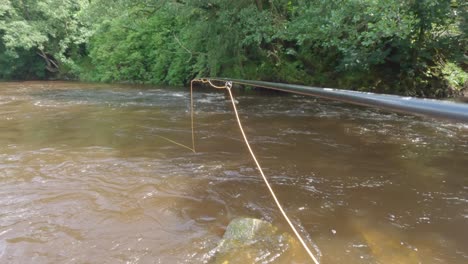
pixel 228 86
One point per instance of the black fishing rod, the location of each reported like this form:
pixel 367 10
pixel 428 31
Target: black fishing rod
pixel 428 107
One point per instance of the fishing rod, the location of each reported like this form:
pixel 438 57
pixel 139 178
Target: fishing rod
pixel 427 107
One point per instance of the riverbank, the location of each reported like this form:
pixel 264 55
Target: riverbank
pixel 349 45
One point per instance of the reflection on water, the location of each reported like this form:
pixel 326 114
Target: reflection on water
pixel 84 178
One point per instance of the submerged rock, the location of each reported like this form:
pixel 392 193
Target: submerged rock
pixel 250 240
pixel 386 243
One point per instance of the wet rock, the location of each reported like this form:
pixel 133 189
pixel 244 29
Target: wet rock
pixel 249 240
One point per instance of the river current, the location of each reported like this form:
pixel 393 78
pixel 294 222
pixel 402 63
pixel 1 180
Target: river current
pixel 85 176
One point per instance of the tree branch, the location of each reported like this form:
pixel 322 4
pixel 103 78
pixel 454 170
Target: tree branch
pixel 180 44
pixel 52 65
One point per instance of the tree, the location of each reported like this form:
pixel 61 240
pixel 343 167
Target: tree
pixel 409 47
pixel 390 46
pixel 49 28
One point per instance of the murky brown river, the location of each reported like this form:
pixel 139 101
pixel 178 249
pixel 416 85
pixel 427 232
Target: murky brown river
pixel 84 177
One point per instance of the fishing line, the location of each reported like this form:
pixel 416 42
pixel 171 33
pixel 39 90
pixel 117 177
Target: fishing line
pixel 176 143
pixel 228 85
pixel 173 141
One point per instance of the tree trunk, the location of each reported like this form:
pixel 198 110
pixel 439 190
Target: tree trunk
pixel 259 4
pixel 52 65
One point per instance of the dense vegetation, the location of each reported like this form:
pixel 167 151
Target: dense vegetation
pixel 414 47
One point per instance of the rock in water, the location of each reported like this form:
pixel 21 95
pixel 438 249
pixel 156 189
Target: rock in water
pixel 249 240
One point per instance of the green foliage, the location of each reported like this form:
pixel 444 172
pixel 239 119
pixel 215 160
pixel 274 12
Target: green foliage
pixel 136 47
pixel 21 64
pixel 407 47
pixel 455 76
pixel 389 46
pixel 47 28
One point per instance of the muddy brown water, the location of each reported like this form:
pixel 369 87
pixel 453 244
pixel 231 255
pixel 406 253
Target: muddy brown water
pixel 84 177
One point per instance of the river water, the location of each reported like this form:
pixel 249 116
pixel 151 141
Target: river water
pixel 85 176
